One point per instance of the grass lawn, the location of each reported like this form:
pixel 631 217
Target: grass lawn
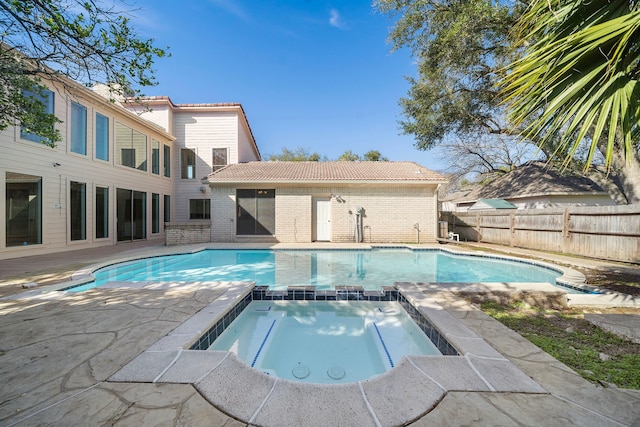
pixel 599 356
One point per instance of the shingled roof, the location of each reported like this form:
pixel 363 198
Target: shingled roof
pixel 343 171
pixel 529 180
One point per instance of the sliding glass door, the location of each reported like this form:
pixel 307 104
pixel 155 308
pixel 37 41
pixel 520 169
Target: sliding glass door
pixel 131 214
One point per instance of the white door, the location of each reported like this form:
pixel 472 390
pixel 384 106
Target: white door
pixel 321 210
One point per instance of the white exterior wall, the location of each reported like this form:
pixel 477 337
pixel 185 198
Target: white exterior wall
pixel 294 212
pixel 390 213
pixel 201 132
pixel 223 214
pixel 33 158
pixel 200 128
pixel 160 114
pixel 246 147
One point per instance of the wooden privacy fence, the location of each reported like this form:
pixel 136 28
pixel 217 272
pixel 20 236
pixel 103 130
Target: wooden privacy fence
pixel 607 232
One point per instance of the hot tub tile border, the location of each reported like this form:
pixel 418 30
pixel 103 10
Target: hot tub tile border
pixel 341 293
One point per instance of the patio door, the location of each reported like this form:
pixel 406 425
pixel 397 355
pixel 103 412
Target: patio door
pixel 322 215
pixel 131 207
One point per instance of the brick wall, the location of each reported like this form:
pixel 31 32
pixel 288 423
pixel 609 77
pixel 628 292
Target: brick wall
pixel 183 233
pixel 223 212
pixel 390 214
pixel 294 215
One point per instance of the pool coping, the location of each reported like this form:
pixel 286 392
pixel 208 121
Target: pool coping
pixel 403 394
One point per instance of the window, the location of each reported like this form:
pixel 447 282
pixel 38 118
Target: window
pixel 23 209
pixel 78 143
pixel 256 212
pixel 167 208
pixel 155 157
pixel 219 158
pixel 199 208
pixel 188 163
pixel 131 147
pixel 155 213
pixel 128 157
pixel 47 98
pixel 102 137
pixel 102 212
pixel 78 210
pixel 167 161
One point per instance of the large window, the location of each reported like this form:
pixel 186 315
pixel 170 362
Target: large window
pixel 155 157
pixel 23 209
pixel 219 158
pixel 131 147
pixel 47 99
pixel 102 137
pixel 78 210
pixel 188 163
pixel 256 212
pixel 155 213
pixel 78 128
pixel 199 208
pixel 167 161
pixel 102 212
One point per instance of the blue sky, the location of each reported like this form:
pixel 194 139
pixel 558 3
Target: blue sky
pixel 312 74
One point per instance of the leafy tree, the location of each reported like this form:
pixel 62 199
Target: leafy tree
pixel 459 47
pixel 374 156
pixel 348 156
pixel 82 40
pixel 302 154
pixel 579 81
pixel 299 154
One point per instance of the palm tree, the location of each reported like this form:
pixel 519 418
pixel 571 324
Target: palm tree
pixel 578 81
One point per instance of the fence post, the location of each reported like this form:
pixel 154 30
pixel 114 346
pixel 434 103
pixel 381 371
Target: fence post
pixel 565 230
pixel 512 228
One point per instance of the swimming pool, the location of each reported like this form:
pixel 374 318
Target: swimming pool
pixel 324 269
pixel 324 342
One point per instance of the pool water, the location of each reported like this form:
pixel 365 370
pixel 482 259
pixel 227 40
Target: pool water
pixel 279 269
pixel 324 342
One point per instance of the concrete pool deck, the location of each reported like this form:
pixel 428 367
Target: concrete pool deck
pixel 59 355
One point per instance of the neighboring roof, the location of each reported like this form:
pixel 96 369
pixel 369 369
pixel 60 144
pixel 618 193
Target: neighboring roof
pixel 342 171
pixel 530 180
pixel 492 204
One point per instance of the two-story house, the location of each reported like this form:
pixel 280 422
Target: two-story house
pixel 116 175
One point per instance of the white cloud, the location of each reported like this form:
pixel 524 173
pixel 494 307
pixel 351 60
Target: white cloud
pixel 232 7
pixel 335 20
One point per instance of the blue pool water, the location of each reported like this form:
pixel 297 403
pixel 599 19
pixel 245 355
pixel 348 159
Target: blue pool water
pixel 324 342
pixel 279 269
